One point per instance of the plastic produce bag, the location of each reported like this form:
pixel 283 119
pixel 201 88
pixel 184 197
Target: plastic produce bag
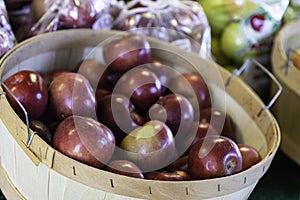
pixel 7 37
pixel 244 29
pixel 53 15
pixel 183 23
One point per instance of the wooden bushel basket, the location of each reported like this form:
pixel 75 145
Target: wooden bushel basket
pixel 287 107
pixel 31 169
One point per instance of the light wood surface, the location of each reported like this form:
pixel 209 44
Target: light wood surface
pixel 287 107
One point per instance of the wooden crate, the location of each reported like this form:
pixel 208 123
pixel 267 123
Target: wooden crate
pixel 38 171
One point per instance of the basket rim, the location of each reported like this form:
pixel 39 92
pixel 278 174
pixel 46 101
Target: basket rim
pixel 279 59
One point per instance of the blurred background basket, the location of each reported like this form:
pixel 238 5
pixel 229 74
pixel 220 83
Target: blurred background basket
pixel 37 171
pixel 287 107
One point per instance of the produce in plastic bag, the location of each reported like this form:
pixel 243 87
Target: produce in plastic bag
pixel 183 23
pixel 7 37
pixel 53 15
pixel 243 28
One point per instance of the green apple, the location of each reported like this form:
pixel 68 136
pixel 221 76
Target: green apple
pixel 218 16
pixel 217 52
pixel 221 12
pixel 215 47
pixel 233 42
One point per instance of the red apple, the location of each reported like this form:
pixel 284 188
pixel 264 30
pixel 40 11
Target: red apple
pixel 77 14
pixel 142 86
pixel 250 155
pixel 219 120
pixel 30 90
pixel 98 75
pixel 194 88
pixel 203 129
pixel 118 113
pixel 92 70
pixel 71 93
pixel 125 167
pixel 181 164
pixel 49 119
pixel 168 176
pixel 163 71
pixel 196 132
pixel 100 93
pixel 214 156
pixel 50 75
pixel 126 52
pixel 175 110
pixel 84 139
pixel 41 130
pixel 151 146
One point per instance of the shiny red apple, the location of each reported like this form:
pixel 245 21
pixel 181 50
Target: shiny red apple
pixel 125 167
pixel 193 87
pixel 168 176
pixel 100 93
pixel 84 139
pixel 50 75
pixel 142 86
pixel 92 70
pixel 98 75
pixel 214 156
pixel 118 113
pixel 123 53
pixel 180 164
pixel 196 132
pixel 175 110
pixel 71 93
pixel 220 120
pixel 41 130
pixel 163 71
pixel 249 154
pixel 77 14
pixel 30 90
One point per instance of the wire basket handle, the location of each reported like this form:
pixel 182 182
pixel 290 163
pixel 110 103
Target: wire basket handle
pixel 247 63
pixel 30 136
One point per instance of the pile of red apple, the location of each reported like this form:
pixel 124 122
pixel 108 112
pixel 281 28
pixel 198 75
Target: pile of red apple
pixel 133 115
